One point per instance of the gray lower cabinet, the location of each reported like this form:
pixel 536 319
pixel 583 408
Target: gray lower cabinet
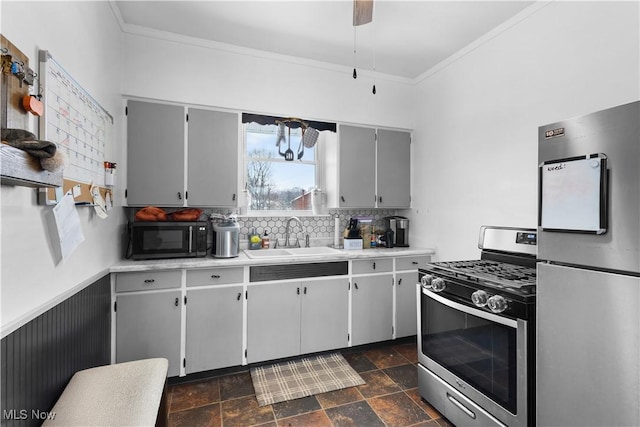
pixel 406 267
pixel 214 328
pixel 291 318
pixel 406 309
pixel 148 325
pixel 324 315
pixel 372 309
pixel 273 321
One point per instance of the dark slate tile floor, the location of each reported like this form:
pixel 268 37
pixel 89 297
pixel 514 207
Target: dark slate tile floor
pixel 389 398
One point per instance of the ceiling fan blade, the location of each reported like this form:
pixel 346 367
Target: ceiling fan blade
pixel 362 12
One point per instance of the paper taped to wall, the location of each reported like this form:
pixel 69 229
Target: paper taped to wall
pixel 68 225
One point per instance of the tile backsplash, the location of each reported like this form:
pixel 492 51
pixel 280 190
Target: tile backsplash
pixel 318 227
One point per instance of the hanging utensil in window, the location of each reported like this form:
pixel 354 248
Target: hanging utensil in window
pixel 288 155
pixel 281 136
pixel 310 137
pixel 301 145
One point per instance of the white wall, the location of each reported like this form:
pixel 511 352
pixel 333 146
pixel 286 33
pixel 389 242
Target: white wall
pixel 476 120
pixel 188 72
pixel 84 37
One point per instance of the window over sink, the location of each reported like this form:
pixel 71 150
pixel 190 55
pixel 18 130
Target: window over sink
pixel 280 166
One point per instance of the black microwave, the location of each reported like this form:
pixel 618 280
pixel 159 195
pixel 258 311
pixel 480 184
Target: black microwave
pixel 170 239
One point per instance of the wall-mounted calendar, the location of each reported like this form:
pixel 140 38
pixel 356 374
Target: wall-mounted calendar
pixel 76 122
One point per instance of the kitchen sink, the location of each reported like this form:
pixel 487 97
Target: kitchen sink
pixel 267 253
pixel 290 252
pixel 317 250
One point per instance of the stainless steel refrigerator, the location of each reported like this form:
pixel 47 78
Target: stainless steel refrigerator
pixel 588 291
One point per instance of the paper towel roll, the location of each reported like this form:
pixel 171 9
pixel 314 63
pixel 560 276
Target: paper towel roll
pixel 336 233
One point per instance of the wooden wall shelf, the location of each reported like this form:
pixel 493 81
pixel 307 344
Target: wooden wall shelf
pixel 19 168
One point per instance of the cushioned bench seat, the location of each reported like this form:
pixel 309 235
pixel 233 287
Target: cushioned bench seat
pixel 124 394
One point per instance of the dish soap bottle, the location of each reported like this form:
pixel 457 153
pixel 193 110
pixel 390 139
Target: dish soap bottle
pixel 373 238
pixel 265 240
pixel 254 240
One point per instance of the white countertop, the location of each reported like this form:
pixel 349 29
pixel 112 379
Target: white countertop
pixel 242 259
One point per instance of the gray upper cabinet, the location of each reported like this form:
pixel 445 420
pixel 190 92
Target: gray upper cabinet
pixel 374 168
pixel 212 173
pixel 156 150
pixel 393 169
pixel 357 164
pixel 155 154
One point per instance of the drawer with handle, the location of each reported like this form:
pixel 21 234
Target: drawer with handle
pixel 215 276
pixel 412 262
pixel 148 280
pixel 378 265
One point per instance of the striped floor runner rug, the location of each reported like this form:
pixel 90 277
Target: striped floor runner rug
pixel 303 377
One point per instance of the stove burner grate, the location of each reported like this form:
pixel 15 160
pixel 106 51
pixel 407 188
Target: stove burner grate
pixel 497 274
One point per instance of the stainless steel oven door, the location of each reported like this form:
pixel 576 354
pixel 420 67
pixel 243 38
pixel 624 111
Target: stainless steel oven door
pixel 480 354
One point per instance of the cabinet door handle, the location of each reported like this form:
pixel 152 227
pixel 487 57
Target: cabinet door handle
pixel 239 295
pixel 149 280
pixel 215 276
pixel 233 197
pixel 380 199
pixel 305 290
pixel 298 291
pixel 177 302
pixel 355 285
pixel 400 281
pixel 342 198
pixel 414 262
pixel 374 265
pixel 179 195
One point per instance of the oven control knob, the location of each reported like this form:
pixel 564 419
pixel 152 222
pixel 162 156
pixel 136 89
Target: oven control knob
pixel 497 304
pixel 479 298
pixel 426 281
pixel 438 284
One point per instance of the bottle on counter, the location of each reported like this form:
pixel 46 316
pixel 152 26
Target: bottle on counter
pixel 374 238
pixel 265 240
pixel 254 240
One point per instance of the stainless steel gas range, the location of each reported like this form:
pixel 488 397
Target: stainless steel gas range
pixel 476 332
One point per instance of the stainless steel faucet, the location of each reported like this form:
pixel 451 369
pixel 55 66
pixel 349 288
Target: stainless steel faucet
pixel 287 231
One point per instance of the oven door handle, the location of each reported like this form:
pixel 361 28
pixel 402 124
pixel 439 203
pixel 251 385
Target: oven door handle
pixel 470 310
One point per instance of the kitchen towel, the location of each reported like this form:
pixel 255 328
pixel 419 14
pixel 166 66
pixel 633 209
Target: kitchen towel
pixel 303 377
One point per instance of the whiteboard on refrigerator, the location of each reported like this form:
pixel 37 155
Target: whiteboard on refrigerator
pixel 573 194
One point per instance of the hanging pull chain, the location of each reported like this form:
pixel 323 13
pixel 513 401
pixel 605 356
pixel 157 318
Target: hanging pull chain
pixel 355 74
pixel 374 57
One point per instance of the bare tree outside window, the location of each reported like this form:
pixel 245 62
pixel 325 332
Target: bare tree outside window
pixel 259 184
